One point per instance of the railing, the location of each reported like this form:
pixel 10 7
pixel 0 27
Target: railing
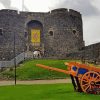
pixel 19 58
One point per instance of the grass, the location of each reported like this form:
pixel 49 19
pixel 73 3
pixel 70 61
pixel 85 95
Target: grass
pixel 43 92
pixel 29 71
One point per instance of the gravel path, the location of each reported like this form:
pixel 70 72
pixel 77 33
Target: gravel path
pixel 2 83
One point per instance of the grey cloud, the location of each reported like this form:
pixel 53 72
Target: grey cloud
pixel 83 6
pixel 7 5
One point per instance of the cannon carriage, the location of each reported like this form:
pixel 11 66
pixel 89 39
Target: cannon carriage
pixel 84 78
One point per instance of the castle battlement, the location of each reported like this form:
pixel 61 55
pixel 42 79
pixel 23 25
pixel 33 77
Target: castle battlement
pixel 8 11
pixel 74 13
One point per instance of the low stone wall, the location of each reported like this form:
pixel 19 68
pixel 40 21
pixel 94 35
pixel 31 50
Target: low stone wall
pixel 89 53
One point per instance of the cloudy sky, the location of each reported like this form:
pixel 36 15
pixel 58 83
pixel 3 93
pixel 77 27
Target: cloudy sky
pixel 90 10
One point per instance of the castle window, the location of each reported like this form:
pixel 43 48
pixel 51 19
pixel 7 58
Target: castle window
pixel 74 31
pixel 1 31
pixel 51 33
pixel 25 34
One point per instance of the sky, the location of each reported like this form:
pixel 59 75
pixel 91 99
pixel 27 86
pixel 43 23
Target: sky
pixel 90 10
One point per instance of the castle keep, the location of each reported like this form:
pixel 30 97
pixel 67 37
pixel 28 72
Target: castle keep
pixel 54 34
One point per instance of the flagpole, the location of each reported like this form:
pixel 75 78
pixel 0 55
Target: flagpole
pixel 22 5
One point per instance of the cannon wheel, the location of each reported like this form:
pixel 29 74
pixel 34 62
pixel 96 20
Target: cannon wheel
pixel 90 82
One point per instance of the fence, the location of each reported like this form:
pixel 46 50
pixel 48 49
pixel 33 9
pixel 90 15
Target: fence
pixel 19 58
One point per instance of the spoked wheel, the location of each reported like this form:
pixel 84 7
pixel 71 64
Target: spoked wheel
pixel 90 82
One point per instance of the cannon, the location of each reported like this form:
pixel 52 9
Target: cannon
pixel 84 78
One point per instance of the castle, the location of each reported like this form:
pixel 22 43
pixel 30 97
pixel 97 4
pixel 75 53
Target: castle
pixel 56 34
pixel 53 33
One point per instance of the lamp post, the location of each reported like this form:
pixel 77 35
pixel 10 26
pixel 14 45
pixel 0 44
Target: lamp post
pixel 15 57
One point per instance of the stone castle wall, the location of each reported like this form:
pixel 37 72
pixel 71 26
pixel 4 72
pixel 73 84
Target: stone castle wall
pixel 92 52
pixel 11 24
pixel 63 23
pixel 61 32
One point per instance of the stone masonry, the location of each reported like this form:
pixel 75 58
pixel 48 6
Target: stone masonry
pixel 61 32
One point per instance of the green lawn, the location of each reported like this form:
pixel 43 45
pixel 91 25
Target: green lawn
pixel 43 92
pixel 29 71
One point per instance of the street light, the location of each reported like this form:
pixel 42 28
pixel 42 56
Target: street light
pixel 15 57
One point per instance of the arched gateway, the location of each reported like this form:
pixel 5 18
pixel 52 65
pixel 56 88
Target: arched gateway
pixel 35 41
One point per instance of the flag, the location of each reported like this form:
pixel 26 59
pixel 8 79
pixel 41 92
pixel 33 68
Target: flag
pixel 35 36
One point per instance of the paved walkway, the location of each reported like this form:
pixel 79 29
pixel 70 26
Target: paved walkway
pixel 2 83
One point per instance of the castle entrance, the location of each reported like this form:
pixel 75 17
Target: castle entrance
pixel 35 37
pixel 36 54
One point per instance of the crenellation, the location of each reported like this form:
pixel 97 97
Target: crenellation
pixel 74 13
pixel 7 12
pixel 59 11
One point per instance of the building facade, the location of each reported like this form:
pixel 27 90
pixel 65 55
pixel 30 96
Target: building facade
pixel 54 34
